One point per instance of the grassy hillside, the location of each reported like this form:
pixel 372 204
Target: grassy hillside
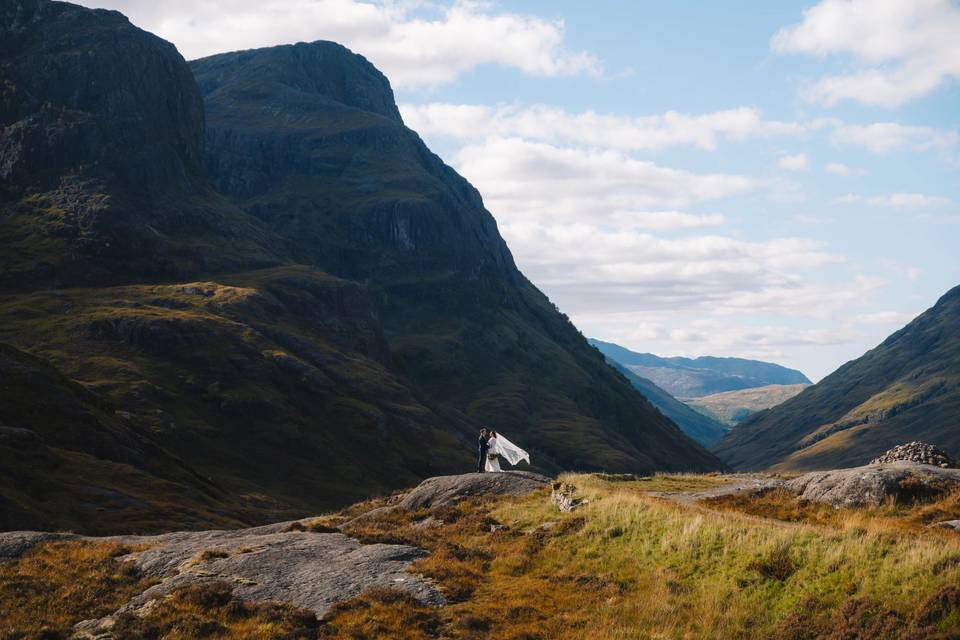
pixel 907 388
pixel 732 407
pixel 702 427
pixel 627 565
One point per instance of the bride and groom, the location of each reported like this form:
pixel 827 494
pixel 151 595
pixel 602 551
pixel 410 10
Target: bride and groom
pixel 492 446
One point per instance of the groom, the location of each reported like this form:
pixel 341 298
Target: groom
pixel 482 449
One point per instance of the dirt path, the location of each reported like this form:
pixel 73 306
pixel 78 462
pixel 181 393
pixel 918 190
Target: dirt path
pixel 740 482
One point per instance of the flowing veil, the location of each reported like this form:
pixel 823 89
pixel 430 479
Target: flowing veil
pixel 510 451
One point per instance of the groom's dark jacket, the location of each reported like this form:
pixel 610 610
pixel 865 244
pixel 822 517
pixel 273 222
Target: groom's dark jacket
pixel 482 445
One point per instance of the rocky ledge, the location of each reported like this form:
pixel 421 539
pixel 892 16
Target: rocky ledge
pixel 873 484
pixel 284 562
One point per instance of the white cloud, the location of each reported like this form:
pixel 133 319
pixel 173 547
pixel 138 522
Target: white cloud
pixel 905 49
pixel 907 200
pixel 840 169
pixel 414 42
pixel 555 125
pixel 809 220
pixel 894 200
pixel 894 318
pixel 532 180
pixel 798 162
pixel 881 137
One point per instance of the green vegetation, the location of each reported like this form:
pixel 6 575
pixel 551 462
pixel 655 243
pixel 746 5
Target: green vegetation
pixel 907 388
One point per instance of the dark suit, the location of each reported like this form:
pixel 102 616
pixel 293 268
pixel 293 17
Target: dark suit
pixel 482 451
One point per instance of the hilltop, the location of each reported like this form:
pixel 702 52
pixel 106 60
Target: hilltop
pixel 906 388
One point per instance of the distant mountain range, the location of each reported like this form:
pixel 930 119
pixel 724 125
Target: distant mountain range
pixel 695 377
pixel 703 428
pixel 685 374
pixel 907 388
pixel 241 289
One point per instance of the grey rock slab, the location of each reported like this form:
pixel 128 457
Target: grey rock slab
pixel 444 490
pixel 309 570
pixel 14 544
pixel 866 486
pixel 947 524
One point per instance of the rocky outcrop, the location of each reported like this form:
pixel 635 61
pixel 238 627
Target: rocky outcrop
pixel 278 562
pixel 919 452
pixel 873 485
pixel 444 490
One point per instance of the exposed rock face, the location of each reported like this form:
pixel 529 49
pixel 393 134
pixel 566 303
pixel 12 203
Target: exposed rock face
pixel 444 490
pixel 873 485
pixel 101 132
pixel 310 570
pixel 85 88
pixel 919 452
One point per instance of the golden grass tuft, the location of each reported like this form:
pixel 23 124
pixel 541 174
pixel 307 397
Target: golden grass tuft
pixel 55 585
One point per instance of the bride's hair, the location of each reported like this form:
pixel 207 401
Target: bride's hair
pixel 493 434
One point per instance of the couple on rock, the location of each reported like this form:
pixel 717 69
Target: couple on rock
pixel 493 446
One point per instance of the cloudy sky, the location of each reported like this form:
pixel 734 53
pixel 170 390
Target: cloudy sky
pixel 775 180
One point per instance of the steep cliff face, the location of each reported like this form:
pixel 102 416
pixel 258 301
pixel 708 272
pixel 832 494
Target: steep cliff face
pixel 308 138
pixel 101 127
pixel 331 168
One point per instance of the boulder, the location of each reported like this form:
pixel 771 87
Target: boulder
pixel 919 452
pixel 873 484
pixel 444 490
pixel 14 544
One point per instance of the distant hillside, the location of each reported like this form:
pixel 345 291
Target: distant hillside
pixel 696 377
pixel 732 407
pixel 703 428
pixel 907 388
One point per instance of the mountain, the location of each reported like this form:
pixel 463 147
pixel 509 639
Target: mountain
pixel 701 427
pixel 245 290
pixel 695 377
pixel 907 388
pixel 732 407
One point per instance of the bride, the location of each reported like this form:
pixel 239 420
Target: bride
pixel 498 446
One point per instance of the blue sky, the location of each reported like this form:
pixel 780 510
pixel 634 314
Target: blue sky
pixel 773 180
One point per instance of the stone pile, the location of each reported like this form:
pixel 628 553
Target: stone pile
pixel 919 452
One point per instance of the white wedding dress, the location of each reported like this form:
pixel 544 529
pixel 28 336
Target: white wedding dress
pixel 500 447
